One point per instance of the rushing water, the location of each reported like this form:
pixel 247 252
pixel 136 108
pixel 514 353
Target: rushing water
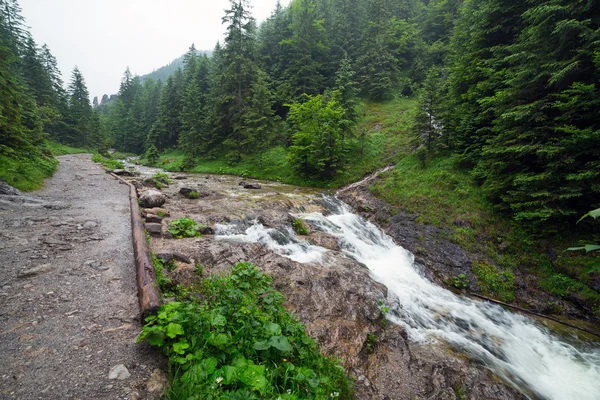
pixel 513 346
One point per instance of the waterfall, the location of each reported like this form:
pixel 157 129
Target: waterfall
pixel 513 346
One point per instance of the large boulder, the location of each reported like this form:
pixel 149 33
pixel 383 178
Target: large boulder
pixel 152 198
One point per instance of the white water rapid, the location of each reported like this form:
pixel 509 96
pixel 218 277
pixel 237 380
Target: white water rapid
pixel 513 346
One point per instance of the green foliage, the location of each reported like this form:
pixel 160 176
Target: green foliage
pixel 316 127
pixel 193 195
pixel 152 155
pixel 162 178
pixel 371 342
pixel 460 281
pixel 238 341
pixel 107 162
pixel 184 228
pixel 25 169
pixel 495 282
pixel 300 227
pixel 595 266
pixel 59 149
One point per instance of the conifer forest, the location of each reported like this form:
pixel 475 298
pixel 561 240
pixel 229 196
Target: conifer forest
pixel 469 130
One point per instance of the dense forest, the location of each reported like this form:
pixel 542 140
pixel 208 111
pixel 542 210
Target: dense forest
pixel 511 89
pixel 35 105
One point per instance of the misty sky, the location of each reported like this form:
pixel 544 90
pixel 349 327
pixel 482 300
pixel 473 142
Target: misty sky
pixel 103 37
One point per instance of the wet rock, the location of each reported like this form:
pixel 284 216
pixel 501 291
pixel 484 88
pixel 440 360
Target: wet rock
pixel 149 182
pixel 30 272
pixel 206 230
pixel 123 172
pixel 168 256
pixel 151 218
pixel 8 190
pixel 152 199
pixel 324 240
pixel 247 185
pixel 137 184
pixel 119 372
pixel 179 177
pixel 157 211
pixel 153 228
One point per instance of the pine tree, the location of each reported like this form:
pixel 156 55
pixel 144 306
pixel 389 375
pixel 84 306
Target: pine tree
pixel 239 74
pixel 80 109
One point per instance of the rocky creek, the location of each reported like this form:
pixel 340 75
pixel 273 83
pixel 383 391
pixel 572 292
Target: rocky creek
pixel 365 299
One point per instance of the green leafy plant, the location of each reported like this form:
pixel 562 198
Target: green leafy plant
pixel 371 342
pixel 184 228
pixel 595 267
pixel 161 214
pixel 460 281
pixel 300 227
pixel 238 341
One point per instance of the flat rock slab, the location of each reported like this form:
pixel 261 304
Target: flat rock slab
pixel 29 272
pixel 68 294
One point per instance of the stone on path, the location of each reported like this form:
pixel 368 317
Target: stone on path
pixel 30 272
pixel 119 372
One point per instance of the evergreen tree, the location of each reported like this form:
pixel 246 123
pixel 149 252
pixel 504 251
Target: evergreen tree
pixel 239 74
pixel 80 110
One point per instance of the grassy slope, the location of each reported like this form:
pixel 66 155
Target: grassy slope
pixel 26 169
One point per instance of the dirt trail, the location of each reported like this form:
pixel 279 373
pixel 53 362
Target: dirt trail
pixel 68 305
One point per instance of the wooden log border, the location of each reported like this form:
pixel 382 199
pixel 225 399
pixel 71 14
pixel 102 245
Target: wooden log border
pixel 148 292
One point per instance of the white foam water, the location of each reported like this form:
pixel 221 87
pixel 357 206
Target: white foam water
pixel 513 346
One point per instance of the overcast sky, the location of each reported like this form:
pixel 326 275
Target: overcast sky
pixel 103 37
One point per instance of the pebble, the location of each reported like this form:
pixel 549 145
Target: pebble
pixel 119 372
pixel 90 225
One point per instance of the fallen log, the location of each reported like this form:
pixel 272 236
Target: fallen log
pixel 535 313
pixel 148 293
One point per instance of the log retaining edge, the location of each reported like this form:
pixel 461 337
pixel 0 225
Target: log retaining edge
pixel 148 293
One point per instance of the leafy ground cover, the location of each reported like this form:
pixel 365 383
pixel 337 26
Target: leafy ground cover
pixel 230 337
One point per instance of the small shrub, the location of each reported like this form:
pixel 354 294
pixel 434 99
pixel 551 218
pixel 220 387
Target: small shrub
pixel 152 155
pixel 184 228
pixel 300 227
pixel 496 282
pixel 162 178
pixel 371 342
pixel 192 195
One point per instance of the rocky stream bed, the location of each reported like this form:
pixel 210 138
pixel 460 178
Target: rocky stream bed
pixel 335 296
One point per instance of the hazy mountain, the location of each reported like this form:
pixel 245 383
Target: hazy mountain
pixel 164 72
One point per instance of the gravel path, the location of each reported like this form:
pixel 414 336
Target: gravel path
pixel 68 304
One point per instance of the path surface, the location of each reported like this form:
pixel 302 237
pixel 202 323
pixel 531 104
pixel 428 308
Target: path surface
pixel 68 304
